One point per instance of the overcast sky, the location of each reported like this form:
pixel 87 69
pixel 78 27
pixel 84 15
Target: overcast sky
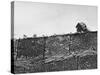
pixel 48 18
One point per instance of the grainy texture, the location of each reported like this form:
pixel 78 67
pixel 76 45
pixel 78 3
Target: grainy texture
pixel 55 53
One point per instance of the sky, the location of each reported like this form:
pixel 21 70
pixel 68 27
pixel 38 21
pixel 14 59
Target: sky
pixel 50 18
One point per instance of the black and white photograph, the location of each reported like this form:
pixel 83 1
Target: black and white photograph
pixel 49 37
